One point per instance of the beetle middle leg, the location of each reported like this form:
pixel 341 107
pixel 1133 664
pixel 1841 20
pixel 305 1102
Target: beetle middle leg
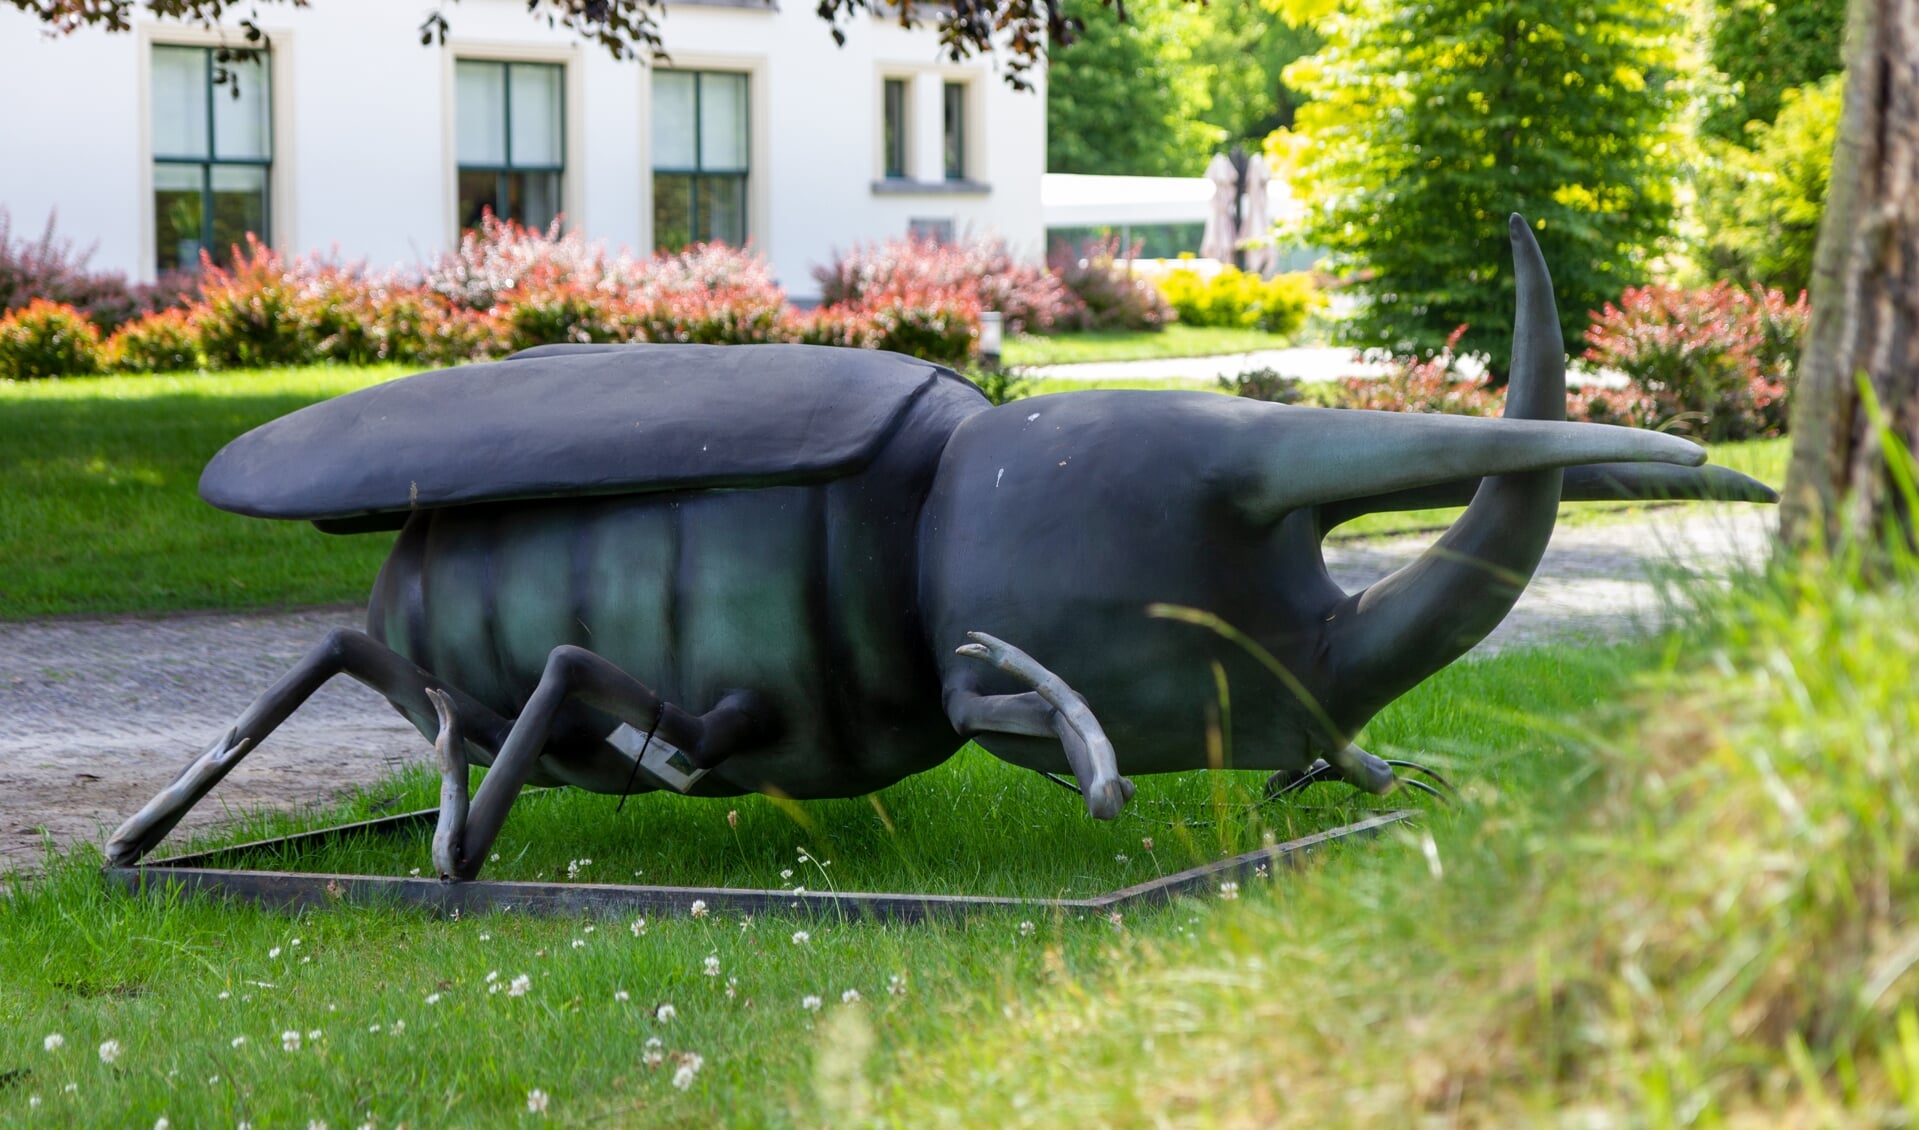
pixel 1050 709
pixel 575 675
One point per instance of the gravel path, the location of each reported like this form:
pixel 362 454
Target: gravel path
pixel 1307 364
pixel 97 715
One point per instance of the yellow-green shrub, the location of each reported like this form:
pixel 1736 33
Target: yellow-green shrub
pixel 1239 299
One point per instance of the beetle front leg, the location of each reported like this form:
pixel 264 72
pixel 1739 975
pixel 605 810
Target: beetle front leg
pixel 1051 709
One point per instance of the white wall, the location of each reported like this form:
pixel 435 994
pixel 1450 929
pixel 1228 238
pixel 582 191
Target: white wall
pixel 363 152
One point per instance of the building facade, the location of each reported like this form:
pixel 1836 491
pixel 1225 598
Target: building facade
pixel 351 138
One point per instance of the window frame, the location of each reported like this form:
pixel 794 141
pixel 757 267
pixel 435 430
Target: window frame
pixel 508 166
pixel 212 159
pixel 956 160
pixel 896 150
pixel 698 171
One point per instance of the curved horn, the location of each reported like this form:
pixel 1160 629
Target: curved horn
pixel 1408 625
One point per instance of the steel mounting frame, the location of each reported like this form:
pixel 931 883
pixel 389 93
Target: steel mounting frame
pixel 295 890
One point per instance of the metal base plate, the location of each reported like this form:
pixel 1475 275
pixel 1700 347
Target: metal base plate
pixel 296 890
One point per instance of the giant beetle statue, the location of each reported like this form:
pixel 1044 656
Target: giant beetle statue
pixel 721 570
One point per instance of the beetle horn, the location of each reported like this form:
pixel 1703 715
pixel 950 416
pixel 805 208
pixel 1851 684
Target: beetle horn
pixel 1389 637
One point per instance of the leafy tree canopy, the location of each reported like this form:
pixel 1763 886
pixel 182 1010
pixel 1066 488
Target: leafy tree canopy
pixel 1161 92
pixel 1765 48
pixel 1761 209
pixel 1432 120
pixel 1020 30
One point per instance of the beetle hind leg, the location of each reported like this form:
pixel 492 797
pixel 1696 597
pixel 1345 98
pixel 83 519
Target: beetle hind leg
pixel 405 684
pixel 1050 709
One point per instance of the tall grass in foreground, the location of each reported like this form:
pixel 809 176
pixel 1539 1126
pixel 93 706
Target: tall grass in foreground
pixel 1721 929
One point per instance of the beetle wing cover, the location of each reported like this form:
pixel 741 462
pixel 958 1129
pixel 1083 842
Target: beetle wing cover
pixel 565 421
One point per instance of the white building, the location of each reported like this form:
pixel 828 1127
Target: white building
pixel 352 137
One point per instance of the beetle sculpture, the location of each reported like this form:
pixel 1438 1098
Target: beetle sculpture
pixel 783 568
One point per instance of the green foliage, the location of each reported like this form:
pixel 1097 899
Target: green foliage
pixel 1761 206
pixel 1239 299
pixel 1160 93
pixel 1433 121
pixel 47 339
pixel 1766 48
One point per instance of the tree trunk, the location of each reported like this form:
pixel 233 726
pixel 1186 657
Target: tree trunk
pixel 1865 298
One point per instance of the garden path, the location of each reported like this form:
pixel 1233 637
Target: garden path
pixel 96 715
pixel 1307 364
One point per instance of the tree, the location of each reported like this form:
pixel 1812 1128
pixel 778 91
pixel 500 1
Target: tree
pixel 1761 207
pixel 1765 48
pixel 1160 92
pixel 1433 120
pixel 1851 475
pixel 1125 97
pixel 1020 30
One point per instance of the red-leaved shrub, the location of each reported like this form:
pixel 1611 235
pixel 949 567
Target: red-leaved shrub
pixel 1717 362
pixel 165 341
pixel 47 339
pixel 980 272
pixel 52 269
pixel 250 314
pixel 1434 384
pixel 1110 296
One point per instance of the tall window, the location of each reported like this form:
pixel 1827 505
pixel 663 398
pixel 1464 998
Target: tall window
pixel 212 151
pixel 699 158
pixel 510 139
pixel 955 131
pixel 893 127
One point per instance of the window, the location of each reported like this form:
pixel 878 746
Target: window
pixel 955 131
pixel 212 152
pixel 893 128
pixel 510 140
pixel 699 158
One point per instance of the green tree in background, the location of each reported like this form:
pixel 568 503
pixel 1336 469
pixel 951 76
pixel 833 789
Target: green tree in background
pixel 1432 120
pixel 1161 92
pixel 1760 209
pixel 1766 48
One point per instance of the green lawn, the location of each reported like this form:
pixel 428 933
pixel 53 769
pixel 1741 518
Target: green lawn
pixel 1175 340
pixel 99 511
pixel 409 1028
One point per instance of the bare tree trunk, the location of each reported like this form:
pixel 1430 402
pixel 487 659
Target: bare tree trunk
pixel 1865 295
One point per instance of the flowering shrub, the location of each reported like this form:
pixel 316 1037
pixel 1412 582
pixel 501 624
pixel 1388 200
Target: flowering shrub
pixel 50 268
pixel 1716 362
pixel 1435 384
pixel 711 294
pixel 1111 297
pixel 981 272
pixel 47 339
pixel 250 314
pixel 166 341
pixel 1239 298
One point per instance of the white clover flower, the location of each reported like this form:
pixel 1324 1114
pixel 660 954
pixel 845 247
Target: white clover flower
pixel 290 1041
pixel 486 937
pixel 665 1013
pixel 433 998
pixel 295 943
pixel 732 817
pixel 1229 890
pixel 652 1057
pixel 653 1043
pixel 1146 843
pixel 810 1002
pixel 1116 919
pixel 1026 929
pixel 273 953
pixel 519 986
pixel 306 961
pixel 712 966
pixel 494 858
pixel 161 1123
pixel 801 937
pixel 896 984
pixel 492 975
pixel 786 873
pixel 494 987
pixel 71 1088
pixel 588 928
pixel 699 908
pixel 638 927
pixel 314 1034
pixel 224 994
pixel 398 1027
pixel 689 1067
pixel 536 1101
pixel 239 1041
pixel 579 943
pixel 213 1080
pixel 33 1102
pixel 622 996
pixel 316 1124
pixel 109 1051
pixel 373 1027
pixel 732 987
pixel 54 1042
pixel 850 996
